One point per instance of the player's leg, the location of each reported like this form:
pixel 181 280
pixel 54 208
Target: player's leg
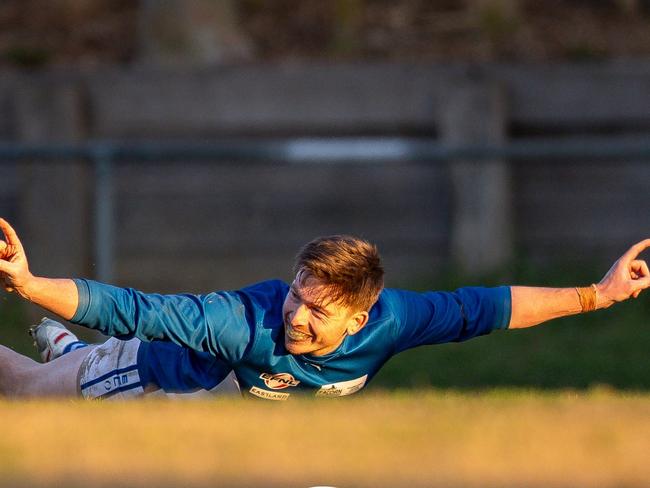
pixel 109 372
pixel 131 369
pixel 22 377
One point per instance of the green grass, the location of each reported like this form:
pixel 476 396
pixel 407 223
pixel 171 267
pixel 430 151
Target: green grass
pixel 13 324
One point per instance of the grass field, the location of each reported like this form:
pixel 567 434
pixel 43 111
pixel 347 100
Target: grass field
pixel 498 438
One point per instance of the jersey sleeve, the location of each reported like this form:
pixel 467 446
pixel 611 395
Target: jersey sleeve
pixel 215 323
pixel 439 317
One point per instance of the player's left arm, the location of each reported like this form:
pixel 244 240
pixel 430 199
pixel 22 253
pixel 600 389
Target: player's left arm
pixel 56 295
pixel 627 278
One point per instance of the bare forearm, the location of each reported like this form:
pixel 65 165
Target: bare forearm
pixel 59 296
pixel 533 305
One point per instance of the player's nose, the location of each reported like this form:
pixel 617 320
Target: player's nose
pixel 300 315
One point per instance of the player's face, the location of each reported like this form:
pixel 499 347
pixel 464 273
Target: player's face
pixel 314 325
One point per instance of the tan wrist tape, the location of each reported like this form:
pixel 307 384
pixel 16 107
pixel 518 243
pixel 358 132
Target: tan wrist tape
pixel 588 297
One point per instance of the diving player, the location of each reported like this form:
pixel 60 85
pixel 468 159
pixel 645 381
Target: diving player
pixel 325 334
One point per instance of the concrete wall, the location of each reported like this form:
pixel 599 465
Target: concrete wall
pixel 198 226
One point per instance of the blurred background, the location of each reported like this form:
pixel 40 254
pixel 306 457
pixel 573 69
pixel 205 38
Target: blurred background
pixel 195 145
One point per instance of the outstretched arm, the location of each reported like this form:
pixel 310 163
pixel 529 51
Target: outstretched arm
pixel 213 322
pixel 59 296
pixel 626 278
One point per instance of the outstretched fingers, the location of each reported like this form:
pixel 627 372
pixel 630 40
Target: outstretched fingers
pixel 627 277
pixel 635 250
pixel 11 237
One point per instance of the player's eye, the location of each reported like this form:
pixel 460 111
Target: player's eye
pixel 319 313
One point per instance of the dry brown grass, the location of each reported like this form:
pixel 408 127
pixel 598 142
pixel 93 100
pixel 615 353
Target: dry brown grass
pixel 503 439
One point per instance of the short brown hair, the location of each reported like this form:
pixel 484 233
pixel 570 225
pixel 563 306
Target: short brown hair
pixel 348 266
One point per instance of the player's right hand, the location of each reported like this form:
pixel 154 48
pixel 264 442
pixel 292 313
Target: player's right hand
pixel 14 269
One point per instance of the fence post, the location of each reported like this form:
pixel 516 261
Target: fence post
pixel 482 227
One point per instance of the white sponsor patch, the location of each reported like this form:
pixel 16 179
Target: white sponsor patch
pixel 342 388
pixel 268 395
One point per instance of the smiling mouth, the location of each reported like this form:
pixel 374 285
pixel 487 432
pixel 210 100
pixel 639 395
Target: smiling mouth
pixel 293 334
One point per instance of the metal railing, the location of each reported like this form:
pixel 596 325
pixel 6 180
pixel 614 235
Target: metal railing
pixel 104 154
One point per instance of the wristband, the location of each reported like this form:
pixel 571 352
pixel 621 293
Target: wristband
pixel 588 297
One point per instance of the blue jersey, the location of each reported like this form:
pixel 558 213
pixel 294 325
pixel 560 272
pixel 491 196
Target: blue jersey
pixel 243 330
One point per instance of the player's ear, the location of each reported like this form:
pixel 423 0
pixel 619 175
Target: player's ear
pixel 357 322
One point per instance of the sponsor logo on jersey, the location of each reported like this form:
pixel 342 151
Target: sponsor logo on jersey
pixel 268 395
pixel 279 381
pixel 342 388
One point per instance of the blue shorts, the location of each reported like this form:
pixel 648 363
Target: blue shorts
pixel 177 369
